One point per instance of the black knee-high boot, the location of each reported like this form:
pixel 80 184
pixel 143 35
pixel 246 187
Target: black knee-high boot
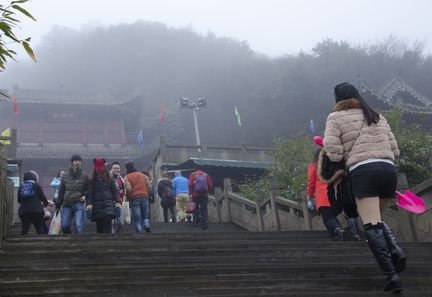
pixel 379 248
pixel 398 255
pixel 334 228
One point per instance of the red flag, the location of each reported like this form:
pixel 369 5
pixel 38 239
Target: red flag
pixel 162 113
pixel 15 105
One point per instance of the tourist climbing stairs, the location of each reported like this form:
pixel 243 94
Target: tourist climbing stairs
pixel 183 260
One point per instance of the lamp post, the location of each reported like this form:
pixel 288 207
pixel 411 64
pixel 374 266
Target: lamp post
pixel 200 103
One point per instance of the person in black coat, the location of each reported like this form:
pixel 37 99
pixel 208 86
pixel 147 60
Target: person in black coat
pixel 103 199
pixel 30 198
pixel 166 194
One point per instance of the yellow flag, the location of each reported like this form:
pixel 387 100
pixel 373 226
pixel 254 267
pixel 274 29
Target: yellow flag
pixel 7 134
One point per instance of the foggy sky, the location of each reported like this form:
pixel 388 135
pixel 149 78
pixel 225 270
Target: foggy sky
pixel 272 27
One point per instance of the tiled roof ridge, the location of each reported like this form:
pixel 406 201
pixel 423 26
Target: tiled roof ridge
pixel 387 92
pixel 63 150
pixel 47 96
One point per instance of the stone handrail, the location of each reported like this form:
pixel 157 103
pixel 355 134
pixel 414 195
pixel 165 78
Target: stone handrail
pixel 271 212
pixel 6 199
pixel 261 215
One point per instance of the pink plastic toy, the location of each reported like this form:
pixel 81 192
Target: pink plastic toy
pixel 411 202
pixel 318 140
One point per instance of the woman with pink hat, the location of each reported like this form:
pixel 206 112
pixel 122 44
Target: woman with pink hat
pixel 362 138
pixel 103 199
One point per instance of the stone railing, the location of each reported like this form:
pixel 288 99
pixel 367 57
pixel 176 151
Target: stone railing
pixel 271 212
pixel 259 215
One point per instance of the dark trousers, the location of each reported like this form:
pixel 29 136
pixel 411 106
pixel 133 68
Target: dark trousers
pixel 103 225
pixel 201 208
pixel 329 217
pixel 165 212
pixel 32 217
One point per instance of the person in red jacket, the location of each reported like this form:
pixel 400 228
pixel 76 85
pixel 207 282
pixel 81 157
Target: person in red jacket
pixel 199 185
pixel 317 192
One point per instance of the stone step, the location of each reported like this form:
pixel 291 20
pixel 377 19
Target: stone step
pixel 192 256
pixel 181 260
pixel 138 283
pixel 240 292
pixel 205 271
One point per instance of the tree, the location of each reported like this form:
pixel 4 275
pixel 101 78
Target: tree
pixel 8 26
pixel 290 161
pixel 291 158
pixel 415 148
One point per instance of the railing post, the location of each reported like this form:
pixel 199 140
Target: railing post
pixel 259 214
pixel 13 145
pixel 204 150
pixel 218 198
pixel 227 187
pixel 406 221
pixel 273 205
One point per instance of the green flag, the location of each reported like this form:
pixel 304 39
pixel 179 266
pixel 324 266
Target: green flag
pixel 237 114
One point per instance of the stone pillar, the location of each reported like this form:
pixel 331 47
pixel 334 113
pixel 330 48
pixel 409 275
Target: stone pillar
pixel 406 222
pixel 260 219
pixel 275 212
pixel 203 150
pixel 218 198
pixel 227 187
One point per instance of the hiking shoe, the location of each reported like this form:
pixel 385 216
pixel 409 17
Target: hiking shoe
pixel 393 284
pixel 147 229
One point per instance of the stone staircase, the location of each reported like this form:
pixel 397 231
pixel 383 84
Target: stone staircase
pixel 183 260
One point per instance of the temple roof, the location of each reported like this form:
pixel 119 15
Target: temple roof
pixel 33 96
pixel 193 162
pixel 64 151
pixel 389 95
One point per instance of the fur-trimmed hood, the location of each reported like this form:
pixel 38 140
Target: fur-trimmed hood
pixel 347 104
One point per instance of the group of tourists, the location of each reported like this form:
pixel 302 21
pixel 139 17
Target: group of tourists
pixel 353 173
pixel 103 195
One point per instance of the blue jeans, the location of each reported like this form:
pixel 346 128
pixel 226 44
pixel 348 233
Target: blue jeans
pixel 140 213
pixel 201 206
pixel 75 211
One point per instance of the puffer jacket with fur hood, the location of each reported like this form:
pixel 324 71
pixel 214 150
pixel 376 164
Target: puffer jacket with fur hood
pixel 348 137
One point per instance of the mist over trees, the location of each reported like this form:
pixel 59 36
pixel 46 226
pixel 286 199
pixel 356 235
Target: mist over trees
pixel 276 97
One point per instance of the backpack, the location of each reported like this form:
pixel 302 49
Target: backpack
pixel 168 193
pixel 201 185
pixel 168 198
pixel 26 190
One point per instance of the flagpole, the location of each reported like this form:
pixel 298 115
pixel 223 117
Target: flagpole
pixel 198 141
pixel 243 137
pixel 201 103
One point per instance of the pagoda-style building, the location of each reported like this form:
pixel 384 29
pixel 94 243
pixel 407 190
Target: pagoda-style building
pixel 52 126
pixel 396 94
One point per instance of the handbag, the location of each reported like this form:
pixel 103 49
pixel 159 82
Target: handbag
pixel 55 226
pixel 126 212
pixel 191 207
